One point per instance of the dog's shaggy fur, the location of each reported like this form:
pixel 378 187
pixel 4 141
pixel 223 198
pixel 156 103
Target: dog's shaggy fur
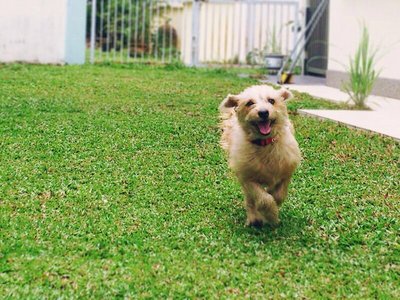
pixel 262 150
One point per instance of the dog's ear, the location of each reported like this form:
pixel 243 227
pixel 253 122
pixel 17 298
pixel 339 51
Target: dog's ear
pixel 285 94
pixel 229 102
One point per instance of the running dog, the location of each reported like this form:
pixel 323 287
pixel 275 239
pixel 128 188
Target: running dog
pixel 262 150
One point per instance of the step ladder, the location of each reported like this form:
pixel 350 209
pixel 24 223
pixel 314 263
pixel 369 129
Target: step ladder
pixel 304 37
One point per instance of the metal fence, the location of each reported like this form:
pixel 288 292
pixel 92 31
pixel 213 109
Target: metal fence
pixel 194 32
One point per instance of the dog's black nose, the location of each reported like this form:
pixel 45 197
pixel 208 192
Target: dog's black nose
pixel 264 114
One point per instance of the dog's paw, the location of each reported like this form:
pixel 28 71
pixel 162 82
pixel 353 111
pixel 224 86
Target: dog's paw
pixel 255 223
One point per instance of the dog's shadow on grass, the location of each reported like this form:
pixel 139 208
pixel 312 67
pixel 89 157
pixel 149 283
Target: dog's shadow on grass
pixel 292 224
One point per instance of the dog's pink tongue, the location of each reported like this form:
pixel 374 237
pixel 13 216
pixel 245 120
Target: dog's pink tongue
pixel 264 127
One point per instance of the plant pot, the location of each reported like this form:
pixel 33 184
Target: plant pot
pixel 274 61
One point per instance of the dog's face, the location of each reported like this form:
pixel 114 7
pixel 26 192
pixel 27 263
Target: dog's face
pixel 259 109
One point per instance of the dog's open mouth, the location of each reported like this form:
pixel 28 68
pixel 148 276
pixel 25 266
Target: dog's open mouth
pixel 264 127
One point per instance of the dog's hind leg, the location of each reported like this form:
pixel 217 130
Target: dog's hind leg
pixel 261 206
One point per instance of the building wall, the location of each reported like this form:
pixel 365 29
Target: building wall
pixel 383 23
pixel 42 31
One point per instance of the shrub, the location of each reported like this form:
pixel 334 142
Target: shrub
pixel 362 71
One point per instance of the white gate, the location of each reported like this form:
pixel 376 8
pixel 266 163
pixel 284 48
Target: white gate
pixel 194 32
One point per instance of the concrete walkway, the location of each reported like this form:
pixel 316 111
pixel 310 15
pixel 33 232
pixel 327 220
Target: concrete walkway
pixel 383 118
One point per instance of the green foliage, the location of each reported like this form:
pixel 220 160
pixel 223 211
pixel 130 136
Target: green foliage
pixel 127 24
pixel 275 43
pixel 175 65
pixel 113 186
pixel 362 71
pixel 121 32
pixel 165 41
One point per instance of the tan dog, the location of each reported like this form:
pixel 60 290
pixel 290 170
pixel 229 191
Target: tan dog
pixel 263 153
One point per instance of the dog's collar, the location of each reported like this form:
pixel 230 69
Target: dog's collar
pixel 264 142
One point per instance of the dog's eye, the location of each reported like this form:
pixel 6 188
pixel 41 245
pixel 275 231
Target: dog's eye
pixel 250 103
pixel 272 101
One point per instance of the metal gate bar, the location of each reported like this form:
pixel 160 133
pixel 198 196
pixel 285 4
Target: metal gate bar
pixel 193 31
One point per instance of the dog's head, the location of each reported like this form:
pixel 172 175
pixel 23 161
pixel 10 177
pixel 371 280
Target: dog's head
pixel 259 109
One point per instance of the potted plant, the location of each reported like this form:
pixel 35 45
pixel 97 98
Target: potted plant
pixel 273 56
pixel 273 52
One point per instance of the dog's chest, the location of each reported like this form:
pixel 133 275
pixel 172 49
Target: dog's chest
pixel 270 169
pixel 268 166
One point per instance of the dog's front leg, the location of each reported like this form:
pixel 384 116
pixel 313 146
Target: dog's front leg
pixel 280 191
pixel 261 206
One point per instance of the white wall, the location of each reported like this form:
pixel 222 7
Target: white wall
pixel 383 21
pixel 37 30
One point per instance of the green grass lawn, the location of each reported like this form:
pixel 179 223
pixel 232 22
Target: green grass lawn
pixel 112 185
